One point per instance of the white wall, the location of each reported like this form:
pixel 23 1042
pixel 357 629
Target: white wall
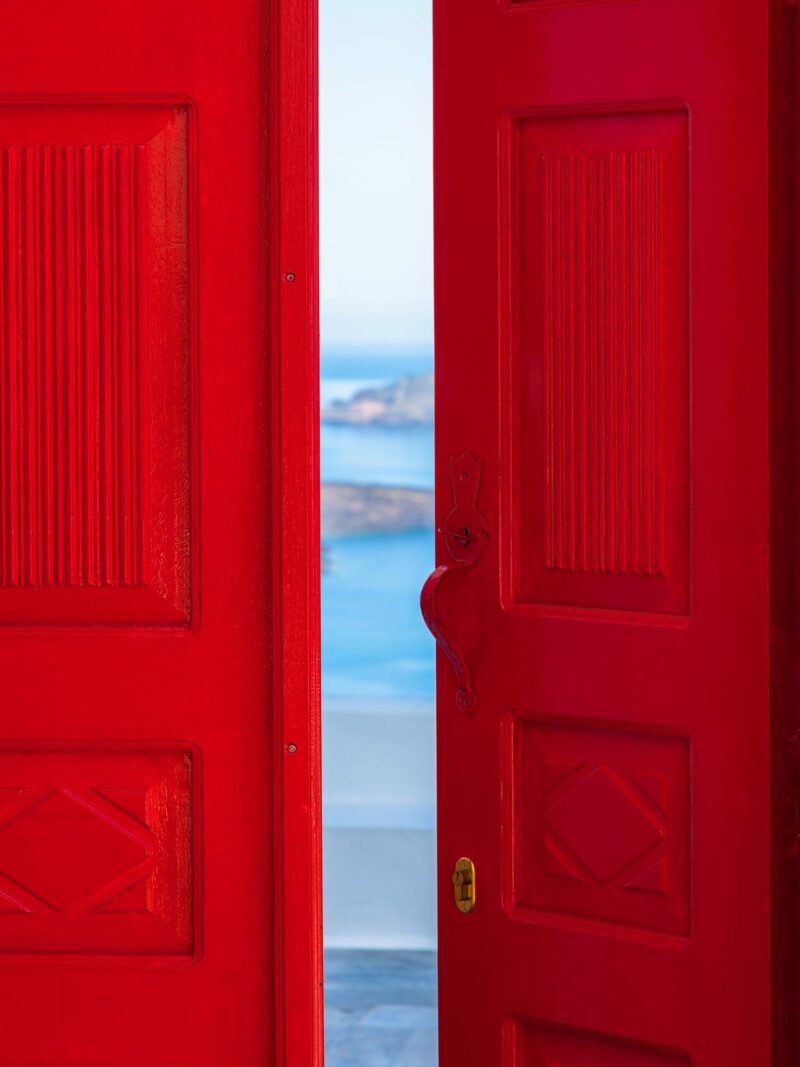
pixel 378 821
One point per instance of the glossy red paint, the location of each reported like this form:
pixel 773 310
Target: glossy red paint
pixel 613 209
pixel 159 764
pixel 466 538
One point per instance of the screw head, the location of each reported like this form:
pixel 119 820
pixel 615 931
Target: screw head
pixel 291 748
pixel 290 276
pixel 465 700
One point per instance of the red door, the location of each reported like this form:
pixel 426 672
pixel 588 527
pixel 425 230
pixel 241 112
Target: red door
pixel 141 435
pixel 612 352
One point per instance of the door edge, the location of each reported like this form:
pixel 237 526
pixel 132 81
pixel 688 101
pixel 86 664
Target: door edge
pixel 294 326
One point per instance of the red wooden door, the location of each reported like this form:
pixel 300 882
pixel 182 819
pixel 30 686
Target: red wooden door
pixel 612 353
pixel 141 436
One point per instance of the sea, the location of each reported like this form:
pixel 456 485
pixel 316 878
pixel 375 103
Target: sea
pixel 375 647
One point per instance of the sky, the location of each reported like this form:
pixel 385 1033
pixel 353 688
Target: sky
pixel 376 230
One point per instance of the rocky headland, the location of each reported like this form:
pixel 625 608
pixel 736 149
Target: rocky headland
pixel 374 509
pixel 406 402
pixel 349 509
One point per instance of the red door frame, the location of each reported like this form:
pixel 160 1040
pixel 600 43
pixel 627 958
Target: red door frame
pixel 296 537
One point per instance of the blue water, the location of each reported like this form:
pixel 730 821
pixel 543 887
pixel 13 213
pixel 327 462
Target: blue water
pixel 378 456
pixel 374 643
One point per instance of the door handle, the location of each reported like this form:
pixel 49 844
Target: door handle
pixel 465 694
pixel 467 539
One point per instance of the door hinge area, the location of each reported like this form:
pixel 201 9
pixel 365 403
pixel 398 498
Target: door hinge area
pixel 793 797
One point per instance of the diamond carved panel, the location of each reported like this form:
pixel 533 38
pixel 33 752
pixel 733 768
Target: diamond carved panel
pixel 556 1046
pixel 602 825
pixel 605 821
pixel 97 852
pixel 64 848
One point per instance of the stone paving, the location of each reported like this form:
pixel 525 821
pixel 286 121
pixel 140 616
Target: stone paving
pixel 380 1008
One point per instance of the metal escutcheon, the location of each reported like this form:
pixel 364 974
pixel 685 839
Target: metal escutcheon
pixel 464 885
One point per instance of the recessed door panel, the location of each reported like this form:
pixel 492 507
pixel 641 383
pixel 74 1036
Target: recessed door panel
pixel 95 361
pixel 598 252
pixel 98 851
pixel 602 827
pixel 544 1046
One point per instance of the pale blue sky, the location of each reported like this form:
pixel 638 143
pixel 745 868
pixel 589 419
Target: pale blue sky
pixel 375 173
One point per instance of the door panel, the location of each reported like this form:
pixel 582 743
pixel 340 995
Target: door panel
pixel 612 349
pixel 95 480
pixel 598 292
pixel 536 1045
pixel 141 739
pixel 603 827
pixel 100 869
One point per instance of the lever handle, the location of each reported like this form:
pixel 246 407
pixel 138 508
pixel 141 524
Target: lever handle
pixel 465 694
pixel 467 539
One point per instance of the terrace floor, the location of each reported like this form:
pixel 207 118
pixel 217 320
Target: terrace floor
pixel 380 1008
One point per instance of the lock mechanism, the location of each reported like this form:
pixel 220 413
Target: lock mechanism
pixel 464 884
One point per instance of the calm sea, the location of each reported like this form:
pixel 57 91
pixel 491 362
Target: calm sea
pixel 374 644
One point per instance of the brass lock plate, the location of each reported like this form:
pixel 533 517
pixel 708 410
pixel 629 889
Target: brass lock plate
pixel 464 884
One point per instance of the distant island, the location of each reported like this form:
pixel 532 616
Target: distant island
pixel 349 509
pixel 374 509
pixel 406 402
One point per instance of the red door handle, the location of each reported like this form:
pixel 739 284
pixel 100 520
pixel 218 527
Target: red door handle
pixel 465 694
pixel 467 539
